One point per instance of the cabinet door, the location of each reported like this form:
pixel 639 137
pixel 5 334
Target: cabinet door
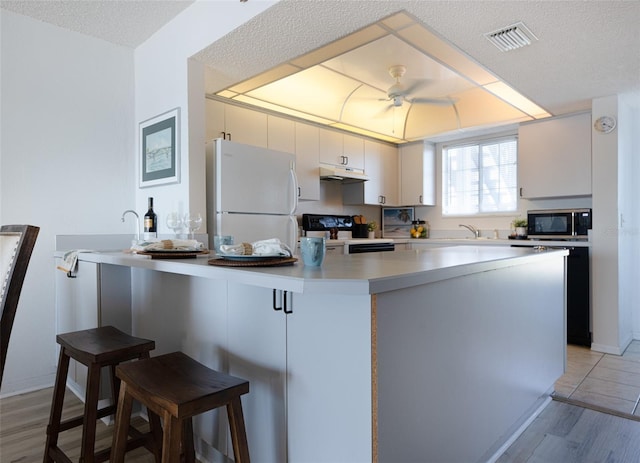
pixel 554 157
pixel 307 149
pixel 329 389
pixel 389 162
pixel 381 166
pixel 214 119
pixel 257 353
pixel 331 147
pixel 281 134
pixel 246 126
pixel 353 151
pixel 417 174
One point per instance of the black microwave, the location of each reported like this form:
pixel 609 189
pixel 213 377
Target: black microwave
pixel 562 224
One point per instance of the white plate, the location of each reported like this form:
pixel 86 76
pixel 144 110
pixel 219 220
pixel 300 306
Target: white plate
pixel 251 257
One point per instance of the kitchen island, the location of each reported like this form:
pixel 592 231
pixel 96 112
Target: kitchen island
pixel 433 355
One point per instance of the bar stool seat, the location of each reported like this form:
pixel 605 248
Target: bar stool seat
pixel 176 387
pixel 96 348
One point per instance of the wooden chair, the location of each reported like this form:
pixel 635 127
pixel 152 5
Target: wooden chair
pixel 16 246
pixel 96 348
pixel 176 387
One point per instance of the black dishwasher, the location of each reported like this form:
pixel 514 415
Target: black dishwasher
pixel 578 297
pixel 578 294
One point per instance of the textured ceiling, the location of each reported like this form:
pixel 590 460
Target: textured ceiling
pixel 123 22
pixel 586 49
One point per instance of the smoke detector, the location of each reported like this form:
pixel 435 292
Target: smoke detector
pixel 511 37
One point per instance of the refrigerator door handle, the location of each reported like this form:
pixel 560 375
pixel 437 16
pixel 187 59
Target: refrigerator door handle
pixel 293 234
pixel 294 190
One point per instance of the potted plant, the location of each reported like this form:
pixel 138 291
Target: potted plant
pixel 520 226
pixel 371 228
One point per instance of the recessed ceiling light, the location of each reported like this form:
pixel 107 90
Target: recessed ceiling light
pixel 511 37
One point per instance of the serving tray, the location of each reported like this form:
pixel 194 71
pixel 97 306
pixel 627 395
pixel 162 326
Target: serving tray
pixel 172 254
pixel 266 262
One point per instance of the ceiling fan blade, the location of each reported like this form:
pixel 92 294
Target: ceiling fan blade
pixel 417 85
pixel 384 111
pixel 434 101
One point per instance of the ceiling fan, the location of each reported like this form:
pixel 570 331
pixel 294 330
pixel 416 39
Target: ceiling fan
pixel 398 93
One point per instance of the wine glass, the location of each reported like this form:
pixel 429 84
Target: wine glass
pixel 174 222
pixel 192 220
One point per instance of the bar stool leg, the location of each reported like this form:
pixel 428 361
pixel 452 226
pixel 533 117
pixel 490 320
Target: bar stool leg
pixel 90 414
pixel 171 438
pixel 187 441
pixel 121 431
pixel 53 429
pixel 238 432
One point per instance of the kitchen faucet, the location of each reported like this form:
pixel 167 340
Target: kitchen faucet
pixel 472 229
pixel 137 222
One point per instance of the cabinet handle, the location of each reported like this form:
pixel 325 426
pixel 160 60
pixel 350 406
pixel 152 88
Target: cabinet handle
pixel 274 301
pixel 285 310
pixel 521 192
pixel 283 307
pixel 299 192
pixel 347 160
pixel 420 199
pixel 384 200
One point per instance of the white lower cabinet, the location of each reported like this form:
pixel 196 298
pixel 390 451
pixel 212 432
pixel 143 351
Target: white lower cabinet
pixel 95 295
pixel 329 379
pixel 309 373
pixel 257 352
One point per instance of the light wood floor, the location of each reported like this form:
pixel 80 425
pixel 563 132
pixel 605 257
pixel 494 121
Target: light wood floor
pixel 23 422
pixel 563 432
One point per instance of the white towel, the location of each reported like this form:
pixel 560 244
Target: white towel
pixel 70 260
pixel 169 245
pixel 270 247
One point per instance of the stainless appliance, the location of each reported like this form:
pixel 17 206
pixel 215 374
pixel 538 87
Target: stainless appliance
pixel 562 224
pixel 251 193
pixel 343 227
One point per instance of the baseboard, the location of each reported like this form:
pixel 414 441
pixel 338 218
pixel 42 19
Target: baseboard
pixel 521 426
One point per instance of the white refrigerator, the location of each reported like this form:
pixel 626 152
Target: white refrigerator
pixel 252 193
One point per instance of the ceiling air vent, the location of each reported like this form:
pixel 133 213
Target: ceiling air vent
pixel 511 37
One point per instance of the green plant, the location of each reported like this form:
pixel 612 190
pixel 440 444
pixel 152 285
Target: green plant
pixel 371 226
pixel 518 222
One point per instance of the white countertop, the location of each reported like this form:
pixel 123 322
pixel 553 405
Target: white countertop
pixel 367 273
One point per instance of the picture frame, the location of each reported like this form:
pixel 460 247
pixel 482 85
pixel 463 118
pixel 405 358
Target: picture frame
pixel 396 222
pixel 160 149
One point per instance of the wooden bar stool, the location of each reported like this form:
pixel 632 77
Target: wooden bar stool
pixel 95 348
pixel 176 387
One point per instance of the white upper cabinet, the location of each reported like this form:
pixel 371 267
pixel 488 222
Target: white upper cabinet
pixel 554 157
pixel 281 134
pixel 307 149
pixel 417 175
pixel 381 166
pixel 340 149
pixel 236 124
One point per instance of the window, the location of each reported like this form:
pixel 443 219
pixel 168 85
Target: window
pixel 480 178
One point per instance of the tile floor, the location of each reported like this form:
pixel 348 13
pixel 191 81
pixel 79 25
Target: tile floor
pixel 604 382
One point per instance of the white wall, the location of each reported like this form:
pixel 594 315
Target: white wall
pixel 616 226
pixel 165 79
pixel 66 164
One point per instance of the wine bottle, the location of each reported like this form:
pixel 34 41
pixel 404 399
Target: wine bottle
pixel 150 222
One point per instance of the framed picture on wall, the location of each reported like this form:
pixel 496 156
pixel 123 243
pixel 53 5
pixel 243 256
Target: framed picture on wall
pixel 160 149
pixel 396 222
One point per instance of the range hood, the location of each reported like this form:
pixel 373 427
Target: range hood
pixel 339 173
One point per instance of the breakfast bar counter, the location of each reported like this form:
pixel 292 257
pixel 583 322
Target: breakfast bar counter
pixel 379 357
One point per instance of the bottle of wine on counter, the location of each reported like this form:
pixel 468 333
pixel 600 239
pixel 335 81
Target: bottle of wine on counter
pixel 150 222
